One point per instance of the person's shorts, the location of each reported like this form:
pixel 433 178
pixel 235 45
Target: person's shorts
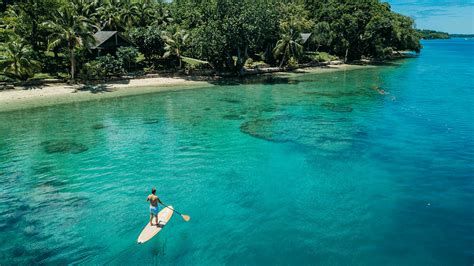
pixel 154 210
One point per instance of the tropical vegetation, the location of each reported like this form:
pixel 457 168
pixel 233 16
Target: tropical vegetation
pixel 56 36
pixel 432 34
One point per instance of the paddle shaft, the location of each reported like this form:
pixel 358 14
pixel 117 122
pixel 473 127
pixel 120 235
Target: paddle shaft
pixel 171 209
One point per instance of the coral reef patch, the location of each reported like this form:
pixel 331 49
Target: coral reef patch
pixel 63 146
pixel 98 126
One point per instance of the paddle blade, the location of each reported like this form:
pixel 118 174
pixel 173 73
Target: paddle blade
pixel 186 217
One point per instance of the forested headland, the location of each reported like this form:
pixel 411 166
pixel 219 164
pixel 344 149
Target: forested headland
pixel 55 38
pixel 435 35
pixel 432 34
pixel 461 35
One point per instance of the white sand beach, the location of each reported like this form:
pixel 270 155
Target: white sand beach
pixel 53 94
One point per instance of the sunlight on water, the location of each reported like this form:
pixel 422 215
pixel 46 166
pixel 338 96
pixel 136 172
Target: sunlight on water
pixel 313 168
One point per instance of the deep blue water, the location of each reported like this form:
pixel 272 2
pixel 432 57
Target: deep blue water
pixel 303 169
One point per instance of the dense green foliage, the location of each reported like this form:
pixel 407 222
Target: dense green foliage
pixel 431 34
pixel 16 60
pixel 461 35
pixel 70 32
pixel 225 34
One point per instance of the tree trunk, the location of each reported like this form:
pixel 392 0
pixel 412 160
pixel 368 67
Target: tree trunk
pixel 16 69
pixel 34 29
pixel 283 59
pixel 240 61
pixel 345 57
pixel 73 64
pixel 229 62
pixel 244 59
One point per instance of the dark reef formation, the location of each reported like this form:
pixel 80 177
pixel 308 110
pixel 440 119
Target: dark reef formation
pixel 228 100
pixel 337 107
pixel 151 121
pixel 262 129
pixel 316 132
pixel 98 126
pixel 233 117
pixel 63 146
pixel 339 94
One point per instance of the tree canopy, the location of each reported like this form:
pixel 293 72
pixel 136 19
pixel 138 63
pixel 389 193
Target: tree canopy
pixel 223 33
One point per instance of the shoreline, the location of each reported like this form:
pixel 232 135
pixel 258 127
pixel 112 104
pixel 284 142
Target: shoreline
pixel 22 98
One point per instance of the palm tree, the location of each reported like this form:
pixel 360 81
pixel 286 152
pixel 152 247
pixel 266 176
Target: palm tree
pixel 321 35
pixel 289 44
pixel 174 44
pixel 119 14
pixel 70 31
pixel 146 12
pixel 86 8
pixel 110 16
pixel 16 59
pixel 12 21
pixel 161 17
pixel 130 13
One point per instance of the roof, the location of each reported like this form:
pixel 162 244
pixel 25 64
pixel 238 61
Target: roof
pixel 103 36
pixel 305 36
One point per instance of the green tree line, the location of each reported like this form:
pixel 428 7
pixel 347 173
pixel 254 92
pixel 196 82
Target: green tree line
pixel 432 34
pixel 55 36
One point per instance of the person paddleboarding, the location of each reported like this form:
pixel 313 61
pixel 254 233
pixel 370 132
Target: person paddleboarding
pixel 154 200
pixel 162 216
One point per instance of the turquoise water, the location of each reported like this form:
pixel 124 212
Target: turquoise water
pixel 305 169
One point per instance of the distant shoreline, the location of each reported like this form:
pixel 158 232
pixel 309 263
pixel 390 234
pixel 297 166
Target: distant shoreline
pixel 21 98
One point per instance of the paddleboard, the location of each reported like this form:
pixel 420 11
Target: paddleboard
pixel 151 230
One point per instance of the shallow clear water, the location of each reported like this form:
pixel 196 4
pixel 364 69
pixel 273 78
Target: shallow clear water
pixel 314 168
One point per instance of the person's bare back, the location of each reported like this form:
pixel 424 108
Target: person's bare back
pixel 153 200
